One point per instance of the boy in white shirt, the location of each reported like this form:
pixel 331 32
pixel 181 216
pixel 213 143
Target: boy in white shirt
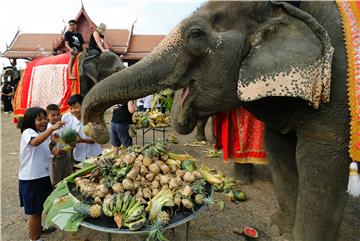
pixel 85 146
pixel 61 163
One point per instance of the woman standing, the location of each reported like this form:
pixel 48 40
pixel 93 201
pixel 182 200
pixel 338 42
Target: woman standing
pixel 7 93
pixel 97 43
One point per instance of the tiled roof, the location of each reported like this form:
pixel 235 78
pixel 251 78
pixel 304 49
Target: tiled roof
pixel 134 47
pixel 117 37
pixel 144 43
pixel 33 44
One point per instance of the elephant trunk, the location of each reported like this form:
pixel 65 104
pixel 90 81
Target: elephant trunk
pixel 146 77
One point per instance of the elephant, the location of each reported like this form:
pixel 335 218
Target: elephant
pixel 93 69
pixel 285 64
pixel 200 129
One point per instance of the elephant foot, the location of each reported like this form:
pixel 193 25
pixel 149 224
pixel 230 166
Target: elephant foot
pixel 244 173
pixel 200 137
pixel 284 222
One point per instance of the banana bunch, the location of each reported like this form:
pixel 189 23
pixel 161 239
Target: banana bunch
pixel 141 120
pixel 158 149
pixel 125 209
pixel 153 118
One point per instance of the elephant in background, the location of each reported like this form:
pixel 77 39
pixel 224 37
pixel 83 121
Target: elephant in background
pixel 93 69
pixel 200 129
pixel 287 65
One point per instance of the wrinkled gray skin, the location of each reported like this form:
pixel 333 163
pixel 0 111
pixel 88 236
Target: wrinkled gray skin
pixel 307 147
pixel 200 130
pixel 96 68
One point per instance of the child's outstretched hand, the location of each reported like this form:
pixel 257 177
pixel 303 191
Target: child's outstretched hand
pixel 55 137
pixel 57 125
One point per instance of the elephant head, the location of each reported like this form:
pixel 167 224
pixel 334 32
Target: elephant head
pixel 222 56
pixel 96 68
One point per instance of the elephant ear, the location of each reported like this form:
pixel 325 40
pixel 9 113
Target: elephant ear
pixel 89 68
pixel 89 73
pixel 291 56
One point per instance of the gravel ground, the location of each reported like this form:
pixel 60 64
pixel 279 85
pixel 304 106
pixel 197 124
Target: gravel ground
pixel 212 225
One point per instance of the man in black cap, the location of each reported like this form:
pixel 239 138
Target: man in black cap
pixel 74 42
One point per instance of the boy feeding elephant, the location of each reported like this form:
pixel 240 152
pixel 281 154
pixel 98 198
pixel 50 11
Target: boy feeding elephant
pixel 85 146
pixel 61 163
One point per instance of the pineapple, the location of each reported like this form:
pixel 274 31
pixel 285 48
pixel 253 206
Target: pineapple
pixel 163 217
pixel 199 199
pixel 82 209
pixel 95 211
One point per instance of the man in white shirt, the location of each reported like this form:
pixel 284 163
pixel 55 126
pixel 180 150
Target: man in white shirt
pixel 85 146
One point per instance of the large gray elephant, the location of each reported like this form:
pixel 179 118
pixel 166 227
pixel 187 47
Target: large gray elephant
pixel 276 60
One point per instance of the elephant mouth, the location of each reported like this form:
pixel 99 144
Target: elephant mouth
pixel 184 94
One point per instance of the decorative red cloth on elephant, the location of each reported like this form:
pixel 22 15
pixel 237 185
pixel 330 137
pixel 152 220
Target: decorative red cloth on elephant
pixel 44 82
pixel 241 136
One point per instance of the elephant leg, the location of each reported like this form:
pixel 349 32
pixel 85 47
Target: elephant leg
pixel 244 173
pixel 323 175
pixel 200 130
pixel 213 138
pixel 280 151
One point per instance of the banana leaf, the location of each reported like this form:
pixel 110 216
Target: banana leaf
pixel 79 173
pixel 68 219
pixel 58 205
pixel 60 190
pixel 165 96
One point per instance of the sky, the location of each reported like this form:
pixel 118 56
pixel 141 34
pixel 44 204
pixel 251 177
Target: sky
pixel 50 16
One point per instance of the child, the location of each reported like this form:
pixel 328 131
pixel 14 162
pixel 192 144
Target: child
pixel 34 181
pixel 61 164
pixel 85 146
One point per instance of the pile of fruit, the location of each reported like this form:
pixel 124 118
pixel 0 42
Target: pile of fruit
pixel 141 186
pixel 153 118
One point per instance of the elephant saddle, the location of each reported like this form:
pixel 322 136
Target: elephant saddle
pixel 241 136
pixel 45 81
pixel 350 15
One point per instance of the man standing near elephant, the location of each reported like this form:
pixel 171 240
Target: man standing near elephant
pixel 74 42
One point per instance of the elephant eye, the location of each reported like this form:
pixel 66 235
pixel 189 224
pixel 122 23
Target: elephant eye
pixel 195 33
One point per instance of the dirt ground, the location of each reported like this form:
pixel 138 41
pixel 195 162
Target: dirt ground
pixel 212 225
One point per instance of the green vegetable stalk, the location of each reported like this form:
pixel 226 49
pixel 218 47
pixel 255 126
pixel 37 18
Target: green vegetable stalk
pixel 163 199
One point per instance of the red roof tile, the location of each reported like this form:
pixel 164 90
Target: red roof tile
pixel 144 43
pixel 117 37
pixel 34 41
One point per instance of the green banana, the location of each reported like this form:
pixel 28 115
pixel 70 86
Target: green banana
pixel 129 211
pixel 136 214
pixel 119 202
pixel 137 225
pixel 126 201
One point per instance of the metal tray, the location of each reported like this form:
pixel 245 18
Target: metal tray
pixel 107 224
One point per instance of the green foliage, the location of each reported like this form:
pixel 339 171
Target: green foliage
pixel 155 232
pixel 58 204
pixel 163 199
pixel 60 190
pixel 166 99
pixel 188 165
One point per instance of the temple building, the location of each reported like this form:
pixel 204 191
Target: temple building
pixel 130 47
